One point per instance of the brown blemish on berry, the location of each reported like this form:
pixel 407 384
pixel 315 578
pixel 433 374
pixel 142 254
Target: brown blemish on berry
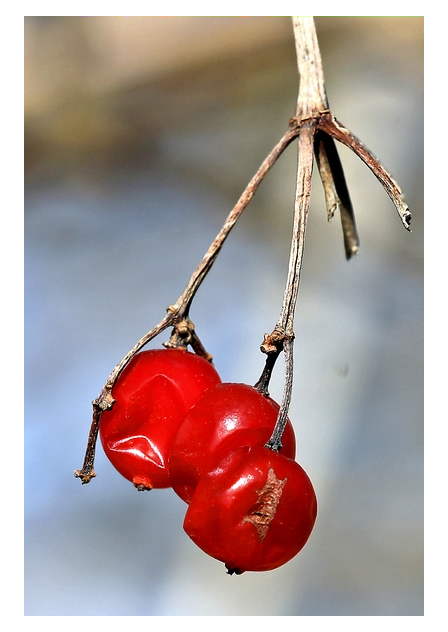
pixel 263 512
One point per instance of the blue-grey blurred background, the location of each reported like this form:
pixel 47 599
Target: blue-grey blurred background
pixel 140 135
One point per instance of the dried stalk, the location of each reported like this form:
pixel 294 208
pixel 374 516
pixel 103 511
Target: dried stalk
pixel 313 102
pixel 178 314
pixel 315 127
pixel 285 322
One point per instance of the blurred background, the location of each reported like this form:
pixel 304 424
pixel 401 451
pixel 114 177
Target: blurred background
pixel 140 135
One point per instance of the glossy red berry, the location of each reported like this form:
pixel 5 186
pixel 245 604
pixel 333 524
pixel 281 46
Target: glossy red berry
pixel 227 416
pixel 254 511
pixel 152 395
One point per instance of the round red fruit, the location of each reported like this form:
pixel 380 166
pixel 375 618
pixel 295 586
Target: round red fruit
pixel 254 511
pixel 152 396
pixel 228 416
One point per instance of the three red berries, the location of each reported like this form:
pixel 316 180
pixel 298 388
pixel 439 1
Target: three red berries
pixel 175 424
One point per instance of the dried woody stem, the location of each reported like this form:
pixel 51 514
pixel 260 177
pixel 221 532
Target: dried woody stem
pixel 178 314
pixel 315 127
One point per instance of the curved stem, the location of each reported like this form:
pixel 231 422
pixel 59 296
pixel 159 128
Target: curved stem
pixel 286 318
pixel 168 321
pixel 184 301
pixel 178 312
pixel 311 102
pixel 331 126
pixel 318 127
pixel 336 192
pixel 315 127
pixel 181 307
pixel 275 441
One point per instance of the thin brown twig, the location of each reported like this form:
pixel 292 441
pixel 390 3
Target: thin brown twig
pixel 286 319
pixel 331 126
pixel 315 127
pixel 336 191
pixel 318 127
pixel 178 314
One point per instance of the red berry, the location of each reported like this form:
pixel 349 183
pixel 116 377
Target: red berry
pixel 254 511
pixel 152 395
pixel 227 417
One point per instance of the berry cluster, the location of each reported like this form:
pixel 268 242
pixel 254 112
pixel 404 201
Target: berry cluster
pixel 175 424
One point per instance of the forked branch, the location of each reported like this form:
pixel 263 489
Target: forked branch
pixel 318 129
pixel 178 314
pixel 315 128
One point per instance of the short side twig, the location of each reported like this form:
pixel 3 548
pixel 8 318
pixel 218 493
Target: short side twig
pixel 335 188
pixel 331 126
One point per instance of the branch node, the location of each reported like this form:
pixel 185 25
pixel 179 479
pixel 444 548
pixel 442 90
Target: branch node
pixel 273 342
pixel 184 334
pixel 105 401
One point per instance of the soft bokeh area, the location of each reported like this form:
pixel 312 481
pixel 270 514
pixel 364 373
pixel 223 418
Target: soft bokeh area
pixel 140 135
